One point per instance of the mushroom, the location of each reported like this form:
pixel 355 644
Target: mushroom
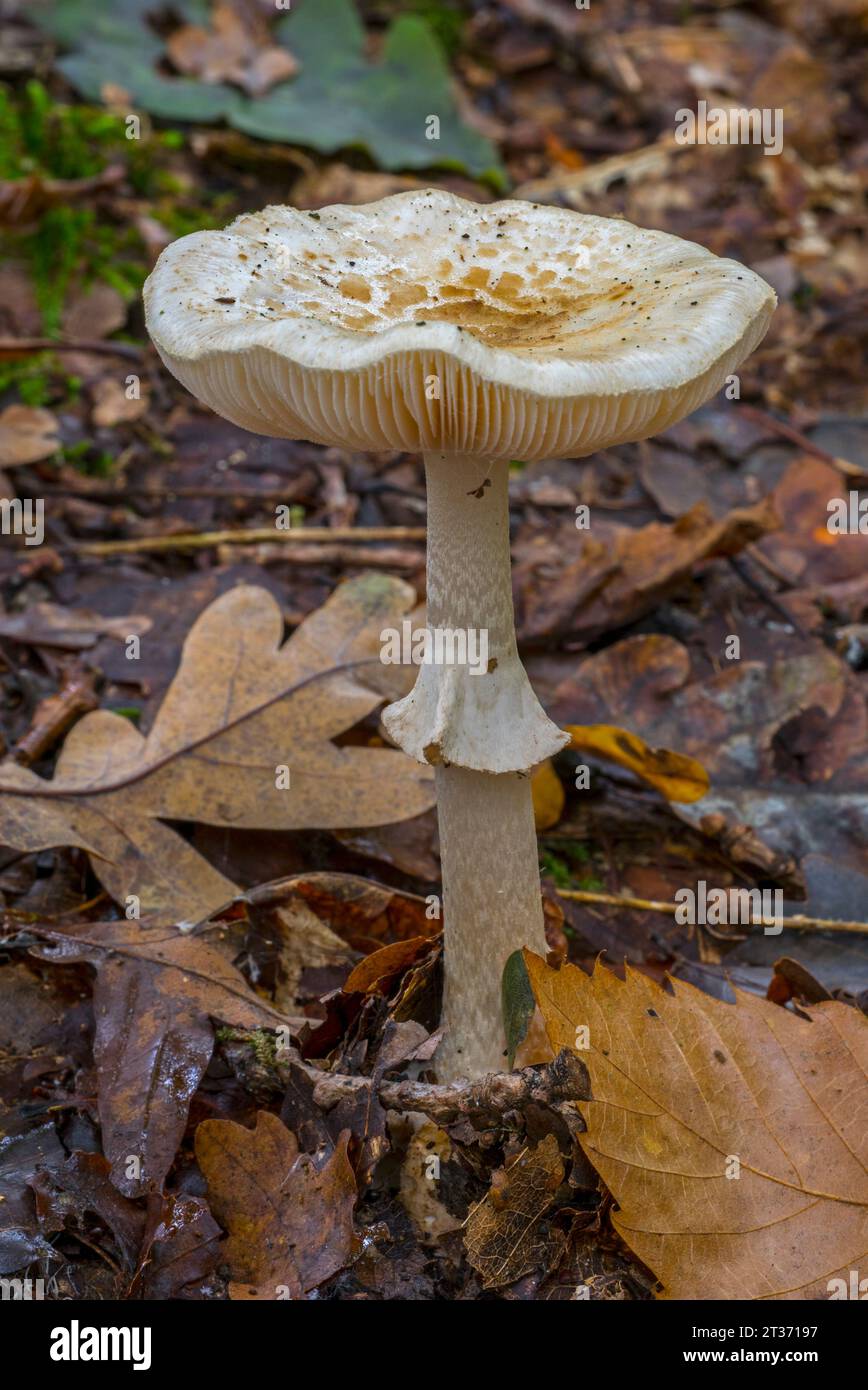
pixel 475 334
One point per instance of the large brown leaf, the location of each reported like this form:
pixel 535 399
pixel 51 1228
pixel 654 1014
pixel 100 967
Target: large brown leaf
pixel 242 704
pixel 733 1136
pixel 290 1223
pixel 156 990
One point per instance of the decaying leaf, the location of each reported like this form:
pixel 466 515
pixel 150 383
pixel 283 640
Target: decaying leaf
pixel 244 738
pixel 180 1247
pixel 71 1193
pixel 27 434
pixel 579 585
pixel 156 990
pixel 235 50
pixel 506 1236
pixel 377 972
pixel 732 1136
pixel 290 1224
pixel 679 778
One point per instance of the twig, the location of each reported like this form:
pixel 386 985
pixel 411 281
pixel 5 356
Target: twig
pixel 762 417
pixel 765 593
pixel 798 921
pixel 202 540
pixel 486 1101
pixel 10 347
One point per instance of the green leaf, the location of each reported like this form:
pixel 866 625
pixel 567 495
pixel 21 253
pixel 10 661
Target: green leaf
pixel 517 1003
pixel 131 66
pixel 338 101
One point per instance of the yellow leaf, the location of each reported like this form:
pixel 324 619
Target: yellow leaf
pixel 678 777
pixel 732 1136
pixel 548 796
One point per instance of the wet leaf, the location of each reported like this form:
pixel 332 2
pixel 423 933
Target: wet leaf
pixel 732 1136
pixel 290 1224
pixel 68 1194
pixel 156 992
pixel 181 1247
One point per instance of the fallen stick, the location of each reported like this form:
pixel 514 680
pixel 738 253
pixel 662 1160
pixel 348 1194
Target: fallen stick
pixel 485 1101
pixel 12 347
pixel 203 540
pixel 798 921
pixel 762 417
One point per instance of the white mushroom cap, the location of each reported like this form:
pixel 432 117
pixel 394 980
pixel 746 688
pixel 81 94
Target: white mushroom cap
pixel 548 332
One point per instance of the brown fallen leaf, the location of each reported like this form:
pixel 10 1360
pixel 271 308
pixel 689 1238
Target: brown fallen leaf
pixel 506 1235
pixel 72 629
pixel 679 778
pixel 155 993
pixel 27 435
pixel 94 314
pixel 71 1193
pixel 113 406
pixel 243 738
pixel 732 1136
pixel 620 573
pixel 377 972
pixel 290 1224
pixel 236 50
pixel 180 1247
pixel 366 915
pixel 23 201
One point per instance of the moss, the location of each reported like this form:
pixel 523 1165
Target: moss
pixel 72 245
pixel 444 17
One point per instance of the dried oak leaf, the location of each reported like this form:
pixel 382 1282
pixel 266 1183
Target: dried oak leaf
pixel 732 1136
pixel 290 1223
pixel 505 1235
pixel 155 993
pixel 242 705
pixel 234 50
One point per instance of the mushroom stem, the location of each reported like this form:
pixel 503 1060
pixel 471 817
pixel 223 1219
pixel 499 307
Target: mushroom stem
pixel 483 729
pixel 491 907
